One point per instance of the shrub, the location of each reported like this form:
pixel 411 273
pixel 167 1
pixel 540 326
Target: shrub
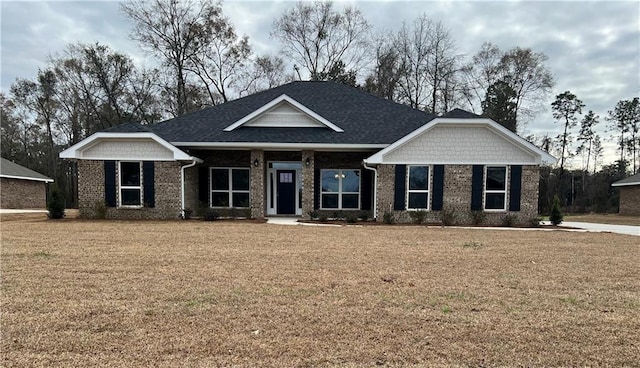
pixel 556 216
pixel 56 204
pixel 509 220
pixel 389 218
pixel 418 217
pixel 322 217
pixel 448 217
pixel 364 215
pixel 100 210
pixel 211 215
pixel 246 213
pixel 338 215
pixel 313 214
pixel 478 217
pixel 535 221
pixel 351 217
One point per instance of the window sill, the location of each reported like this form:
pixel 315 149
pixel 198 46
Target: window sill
pixel 130 207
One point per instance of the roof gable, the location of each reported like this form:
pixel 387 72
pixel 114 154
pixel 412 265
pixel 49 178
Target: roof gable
pixel 11 170
pixel 283 112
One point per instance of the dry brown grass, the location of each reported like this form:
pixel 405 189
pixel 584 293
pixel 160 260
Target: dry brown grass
pixel 108 293
pixel 604 218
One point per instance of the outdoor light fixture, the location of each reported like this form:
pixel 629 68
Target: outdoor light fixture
pixel 256 162
pixel 307 162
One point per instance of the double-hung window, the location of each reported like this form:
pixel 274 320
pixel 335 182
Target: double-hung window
pixel 130 184
pixel 229 187
pixel 418 188
pixel 340 189
pixel 495 188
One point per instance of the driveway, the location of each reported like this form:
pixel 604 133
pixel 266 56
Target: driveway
pixel 604 228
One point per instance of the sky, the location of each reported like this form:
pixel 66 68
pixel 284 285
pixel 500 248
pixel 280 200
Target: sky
pixel 593 46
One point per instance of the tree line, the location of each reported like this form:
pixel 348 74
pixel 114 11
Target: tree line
pixel 202 61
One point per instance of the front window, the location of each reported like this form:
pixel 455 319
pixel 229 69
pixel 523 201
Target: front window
pixel 229 187
pixel 130 184
pixel 495 188
pixel 418 188
pixel 340 189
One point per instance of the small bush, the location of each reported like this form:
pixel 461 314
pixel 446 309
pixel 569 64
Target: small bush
pixel 478 217
pixel 246 213
pixel 556 216
pixel 509 220
pixel 351 217
pixel 322 217
pixel 535 221
pixel 338 215
pixel 56 204
pixel 313 214
pixel 364 215
pixel 100 210
pixel 211 215
pixel 389 217
pixel 448 217
pixel 418 217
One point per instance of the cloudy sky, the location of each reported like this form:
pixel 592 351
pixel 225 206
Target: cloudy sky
pixel 593 46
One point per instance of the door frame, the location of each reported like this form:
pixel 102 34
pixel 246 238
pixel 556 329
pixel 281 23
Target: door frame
pixel 271 185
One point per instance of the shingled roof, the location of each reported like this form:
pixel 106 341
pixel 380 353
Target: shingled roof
pixel 365 118
pixel 632 180
pixel 9 169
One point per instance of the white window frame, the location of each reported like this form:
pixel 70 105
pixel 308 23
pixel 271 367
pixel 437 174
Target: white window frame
pixel 495 191
pixel 340 192
pixel 229 191
pixel 428 190
pixel 121 187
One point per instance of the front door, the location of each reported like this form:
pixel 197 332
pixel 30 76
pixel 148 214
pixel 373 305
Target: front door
pixel 286 192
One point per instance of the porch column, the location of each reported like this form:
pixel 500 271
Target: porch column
pixel 257 184
pixel 307 182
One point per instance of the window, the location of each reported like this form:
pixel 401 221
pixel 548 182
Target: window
pixel 495 188
pixel 340 189
pixel 130 184
pixel 418 188
pixel 229 187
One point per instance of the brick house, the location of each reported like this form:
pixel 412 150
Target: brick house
pixel 629 195
pixel 310 146
pixel 22 188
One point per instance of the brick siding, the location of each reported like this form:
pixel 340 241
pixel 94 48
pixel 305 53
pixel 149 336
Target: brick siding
pixel 22 194
pixel 630 200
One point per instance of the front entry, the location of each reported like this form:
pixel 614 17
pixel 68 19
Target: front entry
pixel 286 192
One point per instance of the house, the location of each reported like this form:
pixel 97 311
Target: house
pixel 21 187
pixel 310 146
pixel 629 195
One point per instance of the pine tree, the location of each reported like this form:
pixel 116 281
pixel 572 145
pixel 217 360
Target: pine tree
pixel 556 215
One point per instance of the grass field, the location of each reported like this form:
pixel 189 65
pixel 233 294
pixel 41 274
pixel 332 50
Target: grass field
pixel 133 294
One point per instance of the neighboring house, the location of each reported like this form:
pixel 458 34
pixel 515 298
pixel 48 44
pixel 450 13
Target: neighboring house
pixel 310 146
pixel 20 187
pixel 629 195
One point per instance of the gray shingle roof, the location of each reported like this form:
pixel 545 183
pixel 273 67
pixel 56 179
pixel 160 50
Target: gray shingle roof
pixel 632 180
pixel 365 118
pixel 11 169
pixel 460 114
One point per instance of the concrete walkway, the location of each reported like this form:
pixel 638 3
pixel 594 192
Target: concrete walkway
pixel 604 228
pixel 8 210
pixel 293 221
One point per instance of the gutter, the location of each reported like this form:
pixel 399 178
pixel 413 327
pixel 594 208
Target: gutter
pixel 375 188
pixel 194 161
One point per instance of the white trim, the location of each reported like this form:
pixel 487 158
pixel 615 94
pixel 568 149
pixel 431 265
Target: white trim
pixel 541 157
pixel 26 178
pixel 507 170
pixel 408 190
pixel 275 102
pixel 76 151
pixel 139 187
pixel 626 184
pixel 283 146
pixel 182 184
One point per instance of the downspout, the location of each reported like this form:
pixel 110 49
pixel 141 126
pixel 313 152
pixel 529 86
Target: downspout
pixel 194 161
pixel 375 188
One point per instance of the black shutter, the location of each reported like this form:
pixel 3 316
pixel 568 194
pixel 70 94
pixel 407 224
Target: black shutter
pixel 438 187
pixel 316 189
pixel 110 183
pixel 366 186
pixel 203 185
pixel 515 188
pixel 148 183
pixel 476 187
pixel 400 188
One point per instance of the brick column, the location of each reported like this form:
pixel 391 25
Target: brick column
pixel 257 184
pixel 307 182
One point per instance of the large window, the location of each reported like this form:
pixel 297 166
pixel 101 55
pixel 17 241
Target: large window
pixel 495 188
pixel 418 188
pixel 340 189
pixel 130 184
pixel 229 187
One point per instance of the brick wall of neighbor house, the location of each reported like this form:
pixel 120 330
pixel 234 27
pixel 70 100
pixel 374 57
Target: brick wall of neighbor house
pixel 167 192
pixel 457 195
pixel 630 200
pixel 22 194
pixel 257 191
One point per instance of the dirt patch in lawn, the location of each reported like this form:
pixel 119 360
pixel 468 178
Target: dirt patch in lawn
pixel 193 293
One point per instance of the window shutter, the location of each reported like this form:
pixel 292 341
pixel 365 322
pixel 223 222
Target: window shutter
pixel 438 187
pixel 477 187
pixel 203 185
pixel 400 188
pixel 110 183
pixel 515 188
pixel 148 183
pixel 366 187
pixel 316 189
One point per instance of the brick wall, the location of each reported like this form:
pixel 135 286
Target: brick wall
pixel 630 200
pixel 91 192
pixel 22 194
pixel 256 182
pixel 457 195
pixel 308 183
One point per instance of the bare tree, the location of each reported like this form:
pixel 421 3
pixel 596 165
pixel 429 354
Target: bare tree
pixel 318 37
pixel 383 80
